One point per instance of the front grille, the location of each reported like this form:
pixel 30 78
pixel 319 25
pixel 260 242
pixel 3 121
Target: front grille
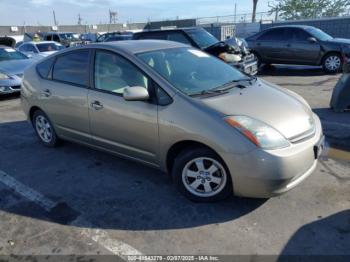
pixel 16 87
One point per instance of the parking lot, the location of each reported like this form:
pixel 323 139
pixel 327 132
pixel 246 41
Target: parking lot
pixel 74 200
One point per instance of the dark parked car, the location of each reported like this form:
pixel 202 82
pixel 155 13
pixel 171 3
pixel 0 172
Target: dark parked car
pixel 201 39
pixel 300 45
pixel 114 36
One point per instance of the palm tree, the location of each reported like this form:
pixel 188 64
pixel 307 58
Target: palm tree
pixel 255 3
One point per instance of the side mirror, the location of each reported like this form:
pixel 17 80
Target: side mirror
pixel 135 93
pixel 312 40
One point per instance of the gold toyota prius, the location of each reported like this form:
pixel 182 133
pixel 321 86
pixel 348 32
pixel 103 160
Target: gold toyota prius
pixel 216 130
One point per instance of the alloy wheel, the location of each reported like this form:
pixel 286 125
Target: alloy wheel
pixel 204 177
pixel 43 128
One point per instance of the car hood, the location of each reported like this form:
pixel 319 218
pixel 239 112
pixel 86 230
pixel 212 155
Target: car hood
pixel 282 110
pixel 340 41
pixel 15 67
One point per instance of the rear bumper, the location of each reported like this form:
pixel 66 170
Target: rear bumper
pixel 263 174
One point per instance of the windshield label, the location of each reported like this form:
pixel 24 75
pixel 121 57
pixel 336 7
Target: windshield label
pixel 8 50
pixel 198 53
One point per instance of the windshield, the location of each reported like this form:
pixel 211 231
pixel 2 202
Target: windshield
pixel 11 54
pixel 68 36
pixel 319 34
pixel 190 70
pixel 202 38
pixel 49 47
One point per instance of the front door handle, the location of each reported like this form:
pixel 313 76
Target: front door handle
pixel 289 45
pixel 46 93
pixel 96 105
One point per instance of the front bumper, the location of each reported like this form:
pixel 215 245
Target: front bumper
pixel 263 174
pixel 249 65
pixel 11 85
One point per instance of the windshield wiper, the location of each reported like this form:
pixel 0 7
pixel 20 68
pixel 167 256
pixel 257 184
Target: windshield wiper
pixel 231 84
pixel 209 92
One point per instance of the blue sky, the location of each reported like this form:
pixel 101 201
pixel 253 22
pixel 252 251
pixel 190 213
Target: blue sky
pixel 34 12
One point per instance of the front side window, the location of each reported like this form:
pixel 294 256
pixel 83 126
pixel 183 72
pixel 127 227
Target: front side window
pixel 178 37
pixel 114 73
pixel 73 68
pixel 190 70
pixel 299 35
pixel 319 34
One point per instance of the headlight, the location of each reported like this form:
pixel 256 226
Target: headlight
pixel 258 132
pixel 3 76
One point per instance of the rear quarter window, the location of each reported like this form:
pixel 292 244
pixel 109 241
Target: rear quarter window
pixel 44 68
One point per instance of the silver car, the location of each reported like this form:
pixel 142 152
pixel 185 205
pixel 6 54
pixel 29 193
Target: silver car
pixel 217 131
pixel 41 49
pixel 12 66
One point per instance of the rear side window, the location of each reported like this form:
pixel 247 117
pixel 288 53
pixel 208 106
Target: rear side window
pixel 274 35
pixel 44 68
pixel 72 68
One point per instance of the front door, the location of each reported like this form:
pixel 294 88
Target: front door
pixel 128 128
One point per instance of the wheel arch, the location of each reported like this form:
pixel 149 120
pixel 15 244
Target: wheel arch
pixel 32 111
pixel 180 146
pixel 329 53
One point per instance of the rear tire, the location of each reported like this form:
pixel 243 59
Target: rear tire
pixel 44 129
pixel 332 63
pixel 201 176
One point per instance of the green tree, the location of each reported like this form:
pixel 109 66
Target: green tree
pixel 300 9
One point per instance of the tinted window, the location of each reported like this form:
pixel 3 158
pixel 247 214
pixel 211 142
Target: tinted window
pixel 319 34
pixel 273 35
pixel 202 37
pixel 73 67
pixel 178 37
pixel 159 36
pixel 114 73
pixel 298 35
pixel 45 67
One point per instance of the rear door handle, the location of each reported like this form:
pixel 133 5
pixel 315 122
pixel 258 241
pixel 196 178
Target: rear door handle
pixel 46 93
pixel 96 105
pixel 289 45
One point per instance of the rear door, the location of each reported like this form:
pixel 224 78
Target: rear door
pixel 272 45
pixel 128 128
pixel 64 95
pixel 302 51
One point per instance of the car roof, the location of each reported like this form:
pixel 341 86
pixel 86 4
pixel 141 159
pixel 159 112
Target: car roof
pixel 168 30
pixel 140 46
pixel 291 26
pixel 41 42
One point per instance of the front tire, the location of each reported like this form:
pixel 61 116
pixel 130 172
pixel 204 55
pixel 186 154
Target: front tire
pixel 332 63
pixel 44 129
pixel 201 176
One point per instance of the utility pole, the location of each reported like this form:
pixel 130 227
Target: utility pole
pixel 79 19
pixel 235 12
pixel 54 18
